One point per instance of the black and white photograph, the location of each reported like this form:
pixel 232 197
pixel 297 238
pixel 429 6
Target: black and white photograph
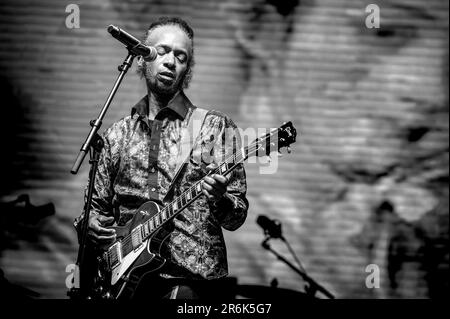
pixel 228 152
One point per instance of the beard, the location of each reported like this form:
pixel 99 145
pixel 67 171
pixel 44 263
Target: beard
pixel 159 86
pixel 145 71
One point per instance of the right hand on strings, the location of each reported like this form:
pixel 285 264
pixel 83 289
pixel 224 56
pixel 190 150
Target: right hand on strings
pixel 98 234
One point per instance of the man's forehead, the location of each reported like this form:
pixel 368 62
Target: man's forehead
pixel 168 33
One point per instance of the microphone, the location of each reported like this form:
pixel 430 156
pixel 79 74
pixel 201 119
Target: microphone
pixel 133 44
pixel 270 227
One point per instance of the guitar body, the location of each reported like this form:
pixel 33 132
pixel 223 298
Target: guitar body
pixel 121 281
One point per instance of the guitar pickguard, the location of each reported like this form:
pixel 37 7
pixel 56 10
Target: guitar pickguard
pixel 127 261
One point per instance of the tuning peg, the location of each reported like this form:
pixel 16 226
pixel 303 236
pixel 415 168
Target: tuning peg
pixel 289 149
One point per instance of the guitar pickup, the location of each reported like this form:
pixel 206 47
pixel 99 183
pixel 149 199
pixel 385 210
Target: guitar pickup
pixel 114 256
pixel 136 237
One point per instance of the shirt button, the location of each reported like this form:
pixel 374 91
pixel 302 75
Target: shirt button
pixel 153 189
pixel 152 170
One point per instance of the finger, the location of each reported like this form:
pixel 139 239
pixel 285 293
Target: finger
pixel 220 178
pixel 99 220
pixel 216 193
pixel 211 181
pixel 208 195
pixel 102 239
pixel 105 231
pixel 106 239
pixel 214 187
pixel 105 220
pixel 102 230
pixel 209 188
pixel 211 167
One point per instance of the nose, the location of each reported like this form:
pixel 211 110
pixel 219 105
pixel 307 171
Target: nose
pixel 169 60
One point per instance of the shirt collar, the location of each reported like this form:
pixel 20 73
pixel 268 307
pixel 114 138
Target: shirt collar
pixel 179 104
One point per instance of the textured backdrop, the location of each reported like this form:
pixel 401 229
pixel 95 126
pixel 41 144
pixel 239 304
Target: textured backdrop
pixel 366 183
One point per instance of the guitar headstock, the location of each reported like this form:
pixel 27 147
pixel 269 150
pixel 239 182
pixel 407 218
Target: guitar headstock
pixel 287 135
pixel 278 138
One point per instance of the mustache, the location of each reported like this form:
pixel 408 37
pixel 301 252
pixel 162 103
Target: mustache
pixel 185 79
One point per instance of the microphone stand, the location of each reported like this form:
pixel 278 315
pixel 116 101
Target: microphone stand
pixel 94 143
pixel 311 285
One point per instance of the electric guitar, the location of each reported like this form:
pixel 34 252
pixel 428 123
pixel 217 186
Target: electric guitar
pixel 137 251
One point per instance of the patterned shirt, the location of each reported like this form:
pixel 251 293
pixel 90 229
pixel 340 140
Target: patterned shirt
pixel 138 163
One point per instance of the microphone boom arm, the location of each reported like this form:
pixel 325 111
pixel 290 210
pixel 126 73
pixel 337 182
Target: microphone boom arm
pixel 97 123
pixel 313 285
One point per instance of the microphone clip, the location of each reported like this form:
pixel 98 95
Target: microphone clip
pixel 265 243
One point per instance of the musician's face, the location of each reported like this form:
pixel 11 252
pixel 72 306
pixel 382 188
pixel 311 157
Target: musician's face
pixel 166 73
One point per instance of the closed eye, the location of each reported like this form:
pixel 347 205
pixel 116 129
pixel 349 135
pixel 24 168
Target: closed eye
pixel 161 50
pixel 181 57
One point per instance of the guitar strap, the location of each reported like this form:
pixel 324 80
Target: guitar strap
pixel 189 135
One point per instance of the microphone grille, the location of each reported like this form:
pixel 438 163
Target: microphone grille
pixel 112 28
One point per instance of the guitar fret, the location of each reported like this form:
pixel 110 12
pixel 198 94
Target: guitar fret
pixel 156 221
pixel 198 189
pixel 151 224
pixel 188 195
pixel 145 229
pixel 158 217
pixel 174 205
pixel 136 238
pixel 163 214
pixel 170 209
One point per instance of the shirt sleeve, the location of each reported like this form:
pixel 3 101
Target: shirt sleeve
pixel 231 209
pixel 103 191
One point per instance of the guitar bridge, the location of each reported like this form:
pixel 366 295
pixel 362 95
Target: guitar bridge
pixel 114 256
